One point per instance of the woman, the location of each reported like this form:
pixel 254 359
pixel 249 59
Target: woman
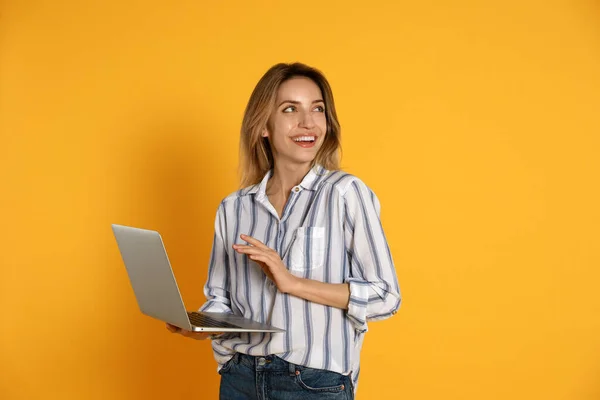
pixel 300 247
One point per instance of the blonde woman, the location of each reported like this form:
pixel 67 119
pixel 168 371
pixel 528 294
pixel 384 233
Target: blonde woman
pixel 300 247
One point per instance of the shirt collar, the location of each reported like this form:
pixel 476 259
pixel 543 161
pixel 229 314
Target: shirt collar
pixel 310 181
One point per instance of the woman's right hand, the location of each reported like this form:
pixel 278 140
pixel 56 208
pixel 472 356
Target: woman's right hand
pixel 190 334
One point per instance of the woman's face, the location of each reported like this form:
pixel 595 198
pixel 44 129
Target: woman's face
pixel 297 126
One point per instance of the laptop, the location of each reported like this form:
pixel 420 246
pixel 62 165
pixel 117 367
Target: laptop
pixel 156 290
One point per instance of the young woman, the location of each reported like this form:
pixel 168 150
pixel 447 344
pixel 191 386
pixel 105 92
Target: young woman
pixel 300 247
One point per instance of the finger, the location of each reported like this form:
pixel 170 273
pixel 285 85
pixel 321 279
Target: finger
pixel 240 248
pixel 195 335
pixel 262 258
pixel 184 332
pixel 249 250
pixel 172 328
pixel 202 335
pixel 254 242
pixel 215 336
pixel 243 246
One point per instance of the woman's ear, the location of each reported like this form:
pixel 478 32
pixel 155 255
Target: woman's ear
pixel 265 133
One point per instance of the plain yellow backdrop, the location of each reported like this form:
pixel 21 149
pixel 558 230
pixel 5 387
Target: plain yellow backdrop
pixel 476 122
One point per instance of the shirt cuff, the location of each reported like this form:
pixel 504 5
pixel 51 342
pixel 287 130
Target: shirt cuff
pixel 357 305
pixel 215 306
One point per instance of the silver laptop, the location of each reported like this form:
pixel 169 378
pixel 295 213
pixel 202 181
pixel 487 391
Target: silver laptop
pixel 156 290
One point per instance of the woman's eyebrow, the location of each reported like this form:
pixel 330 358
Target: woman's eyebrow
pixel 298 102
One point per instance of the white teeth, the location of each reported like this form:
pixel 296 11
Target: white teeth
pixel 305 139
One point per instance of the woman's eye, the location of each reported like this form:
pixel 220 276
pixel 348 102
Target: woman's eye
pixel 289 109
pixel 319 108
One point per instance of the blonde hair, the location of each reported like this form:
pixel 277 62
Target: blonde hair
pixel 256 157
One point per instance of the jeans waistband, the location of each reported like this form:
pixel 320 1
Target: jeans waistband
pixel 266 363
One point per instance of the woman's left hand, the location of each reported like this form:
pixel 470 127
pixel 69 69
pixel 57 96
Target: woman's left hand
pixel 269 261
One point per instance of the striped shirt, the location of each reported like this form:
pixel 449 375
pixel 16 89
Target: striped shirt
pixel 329 231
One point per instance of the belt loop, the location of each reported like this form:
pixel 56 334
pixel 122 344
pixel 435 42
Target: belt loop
pixel 236 358
pixel 292 369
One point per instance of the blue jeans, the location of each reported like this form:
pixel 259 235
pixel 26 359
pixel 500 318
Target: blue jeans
pixel 272 378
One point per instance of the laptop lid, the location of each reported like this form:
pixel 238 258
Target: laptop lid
pixel 151 275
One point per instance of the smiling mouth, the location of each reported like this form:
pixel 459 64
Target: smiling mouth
pixel 305 139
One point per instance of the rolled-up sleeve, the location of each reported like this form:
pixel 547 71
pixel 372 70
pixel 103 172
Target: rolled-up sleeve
pixel 217 285
pixel 374 289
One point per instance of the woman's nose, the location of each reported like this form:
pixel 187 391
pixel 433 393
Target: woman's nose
pixel 306 120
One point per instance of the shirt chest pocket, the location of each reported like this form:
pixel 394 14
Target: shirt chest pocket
pixel 308 249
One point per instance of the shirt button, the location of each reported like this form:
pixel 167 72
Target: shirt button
pixel 296 189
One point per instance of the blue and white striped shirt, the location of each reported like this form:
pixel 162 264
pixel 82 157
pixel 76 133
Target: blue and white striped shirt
pixel 329 231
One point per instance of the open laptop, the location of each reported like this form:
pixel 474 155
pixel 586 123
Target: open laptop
pixel 156 290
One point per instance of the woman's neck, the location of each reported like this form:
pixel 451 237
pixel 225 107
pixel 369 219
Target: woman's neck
pixel 285 177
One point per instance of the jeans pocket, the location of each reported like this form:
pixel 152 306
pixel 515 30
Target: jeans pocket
pixel 226 367
pixel 314 380
pixel 308 249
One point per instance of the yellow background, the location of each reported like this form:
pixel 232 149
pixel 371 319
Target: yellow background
pixel 476 123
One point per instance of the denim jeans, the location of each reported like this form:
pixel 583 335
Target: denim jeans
pixel 272 378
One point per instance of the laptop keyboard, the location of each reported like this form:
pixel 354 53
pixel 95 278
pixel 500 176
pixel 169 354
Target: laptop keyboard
pixel 204 321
